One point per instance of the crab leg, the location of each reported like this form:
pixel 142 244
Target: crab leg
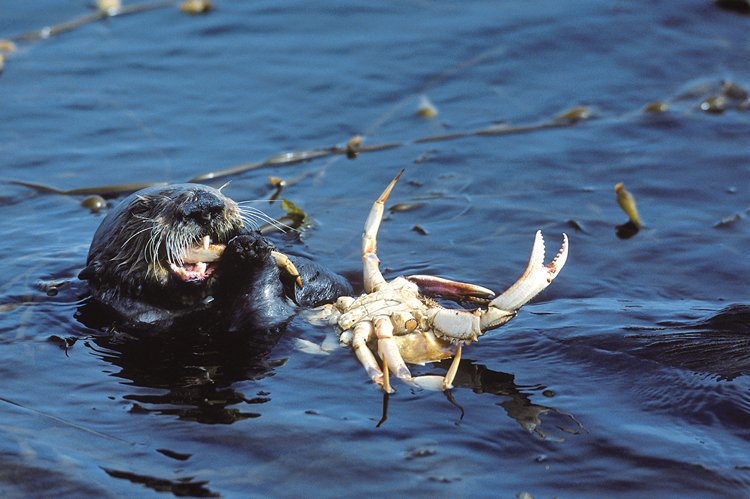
pixel 373 279
pixel 452 370
pixel 386 378
pixel 388 349
pixel 284 263
pixel 533 281
pixel 362 332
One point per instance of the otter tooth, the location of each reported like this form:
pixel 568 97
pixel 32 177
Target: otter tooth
pixel 206 242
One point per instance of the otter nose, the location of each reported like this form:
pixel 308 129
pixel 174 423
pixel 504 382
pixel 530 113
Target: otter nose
pixel 203 207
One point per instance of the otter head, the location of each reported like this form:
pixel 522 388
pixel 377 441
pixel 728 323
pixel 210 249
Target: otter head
pixel 158 238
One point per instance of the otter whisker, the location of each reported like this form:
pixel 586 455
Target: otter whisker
pixel 153 245
pixel 138 233
pixel 185 242
pixel 280 226
pixel 251 215
pixel 167 246
pixel 173 249
pixel 249 221
pixel 250 201
pixel 128 253
pixel 178 244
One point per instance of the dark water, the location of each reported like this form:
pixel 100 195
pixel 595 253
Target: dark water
pixel 628 377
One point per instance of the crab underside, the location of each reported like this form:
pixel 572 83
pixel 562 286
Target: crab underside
pixel 402 324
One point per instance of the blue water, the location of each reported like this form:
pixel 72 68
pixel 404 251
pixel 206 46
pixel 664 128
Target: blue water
pixel 628 377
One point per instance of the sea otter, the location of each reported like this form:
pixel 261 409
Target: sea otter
pixel 181 256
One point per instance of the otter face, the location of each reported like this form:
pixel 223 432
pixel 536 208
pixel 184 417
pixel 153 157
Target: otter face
pixel 173 227
pixel 160 234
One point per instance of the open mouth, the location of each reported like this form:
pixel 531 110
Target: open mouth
pixel 198 263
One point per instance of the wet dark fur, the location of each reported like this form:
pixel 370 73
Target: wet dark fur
pixel 128 269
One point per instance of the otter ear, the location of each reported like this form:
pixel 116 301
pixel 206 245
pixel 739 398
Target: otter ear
pixel 90 271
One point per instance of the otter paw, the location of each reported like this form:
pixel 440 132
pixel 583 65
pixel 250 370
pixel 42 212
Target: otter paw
pixel 248 248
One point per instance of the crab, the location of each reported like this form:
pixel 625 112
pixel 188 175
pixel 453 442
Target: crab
pixel 402 324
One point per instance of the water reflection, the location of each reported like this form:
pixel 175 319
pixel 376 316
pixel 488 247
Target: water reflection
pixel 191 371
pixel 186 487
pixel 517 404
pixel 626 230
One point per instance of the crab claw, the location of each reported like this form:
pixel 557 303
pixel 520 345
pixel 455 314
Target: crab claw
pixel 450 289
pixel 533 281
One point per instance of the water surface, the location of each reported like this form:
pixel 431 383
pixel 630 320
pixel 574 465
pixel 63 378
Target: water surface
pixel 628 377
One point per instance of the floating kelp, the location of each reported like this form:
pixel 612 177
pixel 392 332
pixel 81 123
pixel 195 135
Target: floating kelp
pixel 656 107
pixel 278 184
pixel 7 46
pixel 353 146
pixel 443 137
pixel 287 158
pixel 51 287
pixel 733 90
pixel 727 222
pixel 196 6
pixel 575 114
pixel 627 203
pixel 724 92
pixel 729 94
pixel 104 9
pixel 299 217
pixel 426 108
pixel 716 104
pixel 575 225
pixel 95 203
pixel 401 207
pixel 108 6
pixel 294 157
pixel 106 191
pixel 276 181
pixel 63 343
pixel 697 89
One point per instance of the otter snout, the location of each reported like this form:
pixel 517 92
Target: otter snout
pixel 203 207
